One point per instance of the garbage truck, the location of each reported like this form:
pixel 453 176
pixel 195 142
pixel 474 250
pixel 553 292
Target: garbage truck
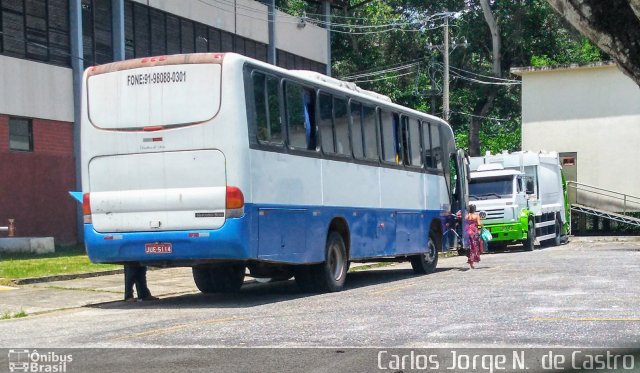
pixel 521 198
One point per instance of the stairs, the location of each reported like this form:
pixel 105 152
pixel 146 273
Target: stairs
pixel 606 214
pixel 584 197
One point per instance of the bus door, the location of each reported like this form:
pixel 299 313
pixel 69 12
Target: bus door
pixel 460 186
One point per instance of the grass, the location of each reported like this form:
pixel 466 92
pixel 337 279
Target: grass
pixel 66 260
pixel 448 254
pixel 7 315
pixel 370 266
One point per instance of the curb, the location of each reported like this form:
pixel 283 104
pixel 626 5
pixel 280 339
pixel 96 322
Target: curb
pixel 37 280
pixel 73 276
pixel 604 239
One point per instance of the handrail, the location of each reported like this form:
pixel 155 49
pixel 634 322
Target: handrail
pixel 626 198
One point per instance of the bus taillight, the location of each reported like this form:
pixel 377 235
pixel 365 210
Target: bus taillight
pixel 234 202
pixel 86 208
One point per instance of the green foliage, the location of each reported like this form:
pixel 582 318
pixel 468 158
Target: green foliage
pixel 532 34
pixel 575 52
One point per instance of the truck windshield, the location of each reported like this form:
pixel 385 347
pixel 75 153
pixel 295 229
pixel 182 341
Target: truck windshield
pixel 490 188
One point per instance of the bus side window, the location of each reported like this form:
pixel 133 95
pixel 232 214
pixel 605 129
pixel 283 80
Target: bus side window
pixel 273 102
pixel 436 147
pixel 389 136
pixel 426 141
pixel 341 126
pixel 325 123
pixel 404 139
pixel 415 148
pixel 356 129
pixel 300 116
pixel 267 108
pixel 369 133
pixel 260 107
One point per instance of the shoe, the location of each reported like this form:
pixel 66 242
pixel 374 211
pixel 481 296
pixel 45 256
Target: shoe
pixel 150 297
pixel 471 265
pixel 130 299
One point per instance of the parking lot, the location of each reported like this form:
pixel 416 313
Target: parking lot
pixel 579 294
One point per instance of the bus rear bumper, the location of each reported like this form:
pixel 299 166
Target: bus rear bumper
pixel 182 248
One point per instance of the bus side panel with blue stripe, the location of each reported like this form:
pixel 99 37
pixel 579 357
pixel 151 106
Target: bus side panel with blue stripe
pixel 283 234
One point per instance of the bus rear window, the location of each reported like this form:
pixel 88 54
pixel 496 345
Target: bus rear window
pixel 168 96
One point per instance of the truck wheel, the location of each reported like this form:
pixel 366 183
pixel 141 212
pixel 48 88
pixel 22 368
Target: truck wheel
pixel 426 262
pixel 557 240
pixel 330 275
pixel 219 279
pixel 531 237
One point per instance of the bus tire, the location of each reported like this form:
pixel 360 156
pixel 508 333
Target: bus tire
pixel 528 243
pixel 219 279
pixel 426 262
pixel 331 275
pixel 328 276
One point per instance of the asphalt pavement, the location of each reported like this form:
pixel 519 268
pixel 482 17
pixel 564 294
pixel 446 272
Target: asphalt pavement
pixel 580 294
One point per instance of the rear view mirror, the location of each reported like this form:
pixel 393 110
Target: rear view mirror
pixel 530 188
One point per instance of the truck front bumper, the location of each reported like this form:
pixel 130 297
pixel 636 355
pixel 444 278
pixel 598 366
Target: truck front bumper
pixel 506 231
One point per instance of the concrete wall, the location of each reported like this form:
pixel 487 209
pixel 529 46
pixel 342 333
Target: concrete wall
pixel 594 111
pixel 309 41
pixel 35 90
pixel 248 18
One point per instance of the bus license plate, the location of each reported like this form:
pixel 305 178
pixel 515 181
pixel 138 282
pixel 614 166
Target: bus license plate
pixel 157 248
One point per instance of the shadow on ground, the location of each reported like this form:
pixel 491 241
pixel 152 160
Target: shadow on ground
pixel 257 294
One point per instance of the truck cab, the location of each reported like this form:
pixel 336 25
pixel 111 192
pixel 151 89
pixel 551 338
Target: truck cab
pixel 520 196
pixel 503 201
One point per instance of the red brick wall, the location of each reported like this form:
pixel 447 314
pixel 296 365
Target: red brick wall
pixel 34 185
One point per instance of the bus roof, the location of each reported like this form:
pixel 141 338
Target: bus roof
pixel 310 77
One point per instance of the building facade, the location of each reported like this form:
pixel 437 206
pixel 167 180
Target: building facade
pixel 590 114
pixel 45 43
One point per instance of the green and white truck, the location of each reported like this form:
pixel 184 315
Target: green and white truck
pixel 521 197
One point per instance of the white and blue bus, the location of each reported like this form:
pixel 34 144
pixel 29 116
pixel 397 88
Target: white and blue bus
pixel 223 163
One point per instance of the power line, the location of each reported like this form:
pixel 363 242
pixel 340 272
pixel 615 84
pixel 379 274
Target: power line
pixel 393 26
pixel 483 82
pixel 384 78
pixel 485 76
pixel 384 69
pixel 481 117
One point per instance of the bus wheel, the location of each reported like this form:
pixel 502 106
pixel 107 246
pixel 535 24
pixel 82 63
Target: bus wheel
pixel 531 237
pixel 330 275
pixel 219 279
pixel 426 262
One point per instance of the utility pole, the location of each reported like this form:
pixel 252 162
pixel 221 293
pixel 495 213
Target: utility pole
pixel 445 89
pixel 271 50
pixel 445 48
pixel 327 20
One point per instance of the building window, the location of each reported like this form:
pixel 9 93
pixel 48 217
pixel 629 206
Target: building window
pixel 152 32
pixel 35 29
pixel 97 43
pixel 20 134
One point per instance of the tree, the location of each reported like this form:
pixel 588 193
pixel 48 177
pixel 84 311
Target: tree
pixel 382 45
pixel 613 25
pixel 485 104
